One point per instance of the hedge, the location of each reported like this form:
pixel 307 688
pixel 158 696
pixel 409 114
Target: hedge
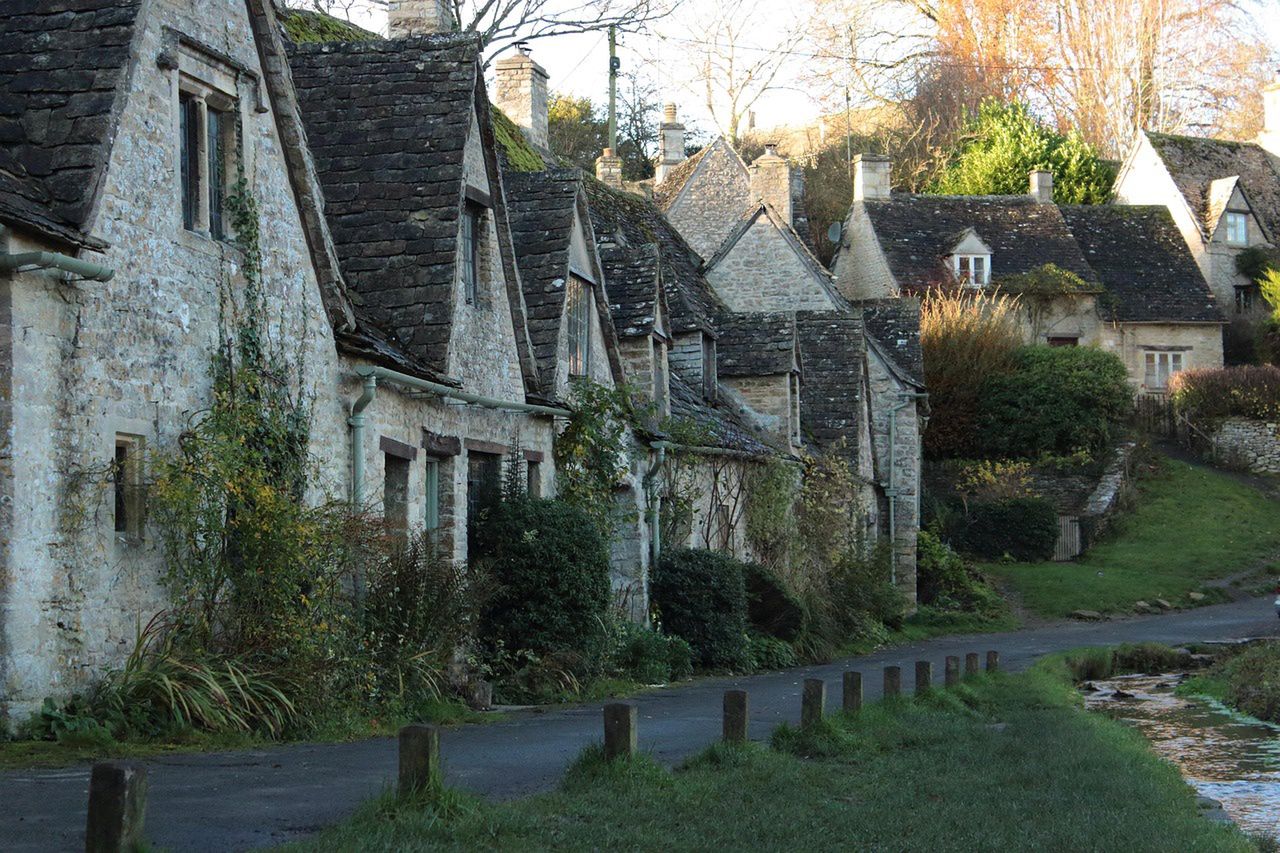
pixel 1246 391
pixel 701 597
pixel 1024 528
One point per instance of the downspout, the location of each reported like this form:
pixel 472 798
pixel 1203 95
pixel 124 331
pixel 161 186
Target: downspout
pixel 357 439
pixel 24 261
pixel 891 491
pixel 655 504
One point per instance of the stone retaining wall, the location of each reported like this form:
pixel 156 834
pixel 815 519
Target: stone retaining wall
pixel 1248 445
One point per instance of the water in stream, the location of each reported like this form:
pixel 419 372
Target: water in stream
pixel 1225 756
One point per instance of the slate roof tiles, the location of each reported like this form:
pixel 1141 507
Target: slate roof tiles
pixel 831 349
pixel 1195 163
pixel 756 344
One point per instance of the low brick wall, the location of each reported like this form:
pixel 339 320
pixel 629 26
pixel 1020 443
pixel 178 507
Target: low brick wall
pixel 1248 445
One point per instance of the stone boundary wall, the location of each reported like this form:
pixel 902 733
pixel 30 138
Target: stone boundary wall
pixel 1248 445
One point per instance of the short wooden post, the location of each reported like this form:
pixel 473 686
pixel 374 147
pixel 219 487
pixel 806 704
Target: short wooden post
pixel 735 716
pixel 993 661
pixel 924 676
pixel 951 672
pixel 619 730
pixel 892 681
pixel 419 758
pixel 117 806
pixel 852 691
pixel 814 702
pixel 971 663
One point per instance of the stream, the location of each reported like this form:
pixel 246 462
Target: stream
pixel 1224 755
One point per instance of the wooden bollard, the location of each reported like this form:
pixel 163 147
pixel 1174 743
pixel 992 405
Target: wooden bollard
pixel 735 716
pixel 993 661
pixel 813 703
pixel 619 730
pixel 117 806
pixel 951 672
pixel 924 676
pixel 851 692
pixel 419 758
pixel 971 663
pixel 892 681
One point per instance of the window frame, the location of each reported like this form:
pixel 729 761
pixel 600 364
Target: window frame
pixel 1234 221
pixel 1155 377
pixel 401 466
pixel 578 299
pixel 710 379
pixel 1246 298
pixel 128 487
pixel 470 228
pixel 1062 340
pixel 967 278
pixel 208 150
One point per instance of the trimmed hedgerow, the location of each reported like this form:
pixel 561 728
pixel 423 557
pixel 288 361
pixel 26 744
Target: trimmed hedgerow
pixel 1024 528
pixel 1246 391
pixel 700 596
pixel 771 608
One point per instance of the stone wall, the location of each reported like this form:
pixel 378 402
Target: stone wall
pixel 767 401
pixel 714 201
pixel 763 272
pixel 860 268
pixel 1199 343
pixel 904 457
pixel 1248 445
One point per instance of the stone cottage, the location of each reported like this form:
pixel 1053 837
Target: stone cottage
pixel 1091 276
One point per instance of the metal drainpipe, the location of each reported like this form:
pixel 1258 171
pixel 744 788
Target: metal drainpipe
pixel 891 491
pixel 357 439
pixel 655 507
pixel 52 260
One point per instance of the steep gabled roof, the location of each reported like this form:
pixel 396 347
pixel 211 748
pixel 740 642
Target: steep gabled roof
pixel 633 281
pixel 756 344
pixel 763 210
pixel 1144 263
pixel 832 349
pixel 718 425
pixel 623 220
pixel 64 69
pixel 917 233
pixel 1194 163
pixel 894 324
pixel 665 193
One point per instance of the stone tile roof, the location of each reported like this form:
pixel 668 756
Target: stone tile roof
pixel 665 193
pixel 756 344
pixel 832 351
pixel 366 340
pixel 632 280
pixel 895 325
pixel 717 424
pixel 540 206
pixel 1143 262
pixel 1195 163
pixel 64 66
pixel 387 123
pixel 623 220
pixel 918 232
pixel 793 238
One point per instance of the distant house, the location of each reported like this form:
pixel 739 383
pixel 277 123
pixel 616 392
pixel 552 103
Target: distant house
pixel 1117 278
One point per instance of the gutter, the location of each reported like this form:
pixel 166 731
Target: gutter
pixel 906 398
pixel 357 439
pixel 25 261
pixel 702 450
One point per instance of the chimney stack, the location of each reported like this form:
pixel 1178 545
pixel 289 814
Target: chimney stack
pixel 771 180
pixel 521 93
pixel 1041 186
pixel 870 177
pixel 671 143
pixel 1269 138
pixel 609 169
pixel 419 18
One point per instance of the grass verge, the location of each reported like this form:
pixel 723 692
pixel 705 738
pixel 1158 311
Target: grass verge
pixel 1002 762
pixel 1189 526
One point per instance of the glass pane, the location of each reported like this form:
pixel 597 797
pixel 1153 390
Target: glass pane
pixel 188 171
pixel 217 172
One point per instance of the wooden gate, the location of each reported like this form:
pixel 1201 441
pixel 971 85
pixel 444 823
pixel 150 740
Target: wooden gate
pixel 1154 414
pixel 1068 545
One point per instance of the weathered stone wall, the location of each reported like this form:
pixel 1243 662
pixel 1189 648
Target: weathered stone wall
pixel 685 357
pixel 860 268
pixel 1199 343
pixel 904 455
pixel 763 272
pixel 1073 316
pixel 767 401
pixel 771 182
pixel 1248 445
pixel 713 201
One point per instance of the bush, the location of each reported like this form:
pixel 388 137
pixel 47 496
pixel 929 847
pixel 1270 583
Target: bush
pixel 549 572
pixel 1253 680
pixel 701 597
pixel 771 608
pixel 1056 400
pixel 1024 528
pixel 649 657
pixel 1246 391
pixel 771 653
pixel 942 576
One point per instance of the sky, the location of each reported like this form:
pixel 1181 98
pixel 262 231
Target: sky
pixel 578 64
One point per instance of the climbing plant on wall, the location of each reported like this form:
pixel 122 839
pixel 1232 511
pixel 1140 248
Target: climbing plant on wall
pixel 591 450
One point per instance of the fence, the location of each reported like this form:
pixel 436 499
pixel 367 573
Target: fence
pixel 1069 544
pixel 1153 413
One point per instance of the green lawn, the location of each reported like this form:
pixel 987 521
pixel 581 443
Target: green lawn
pixel 938 774
pixel 1189 525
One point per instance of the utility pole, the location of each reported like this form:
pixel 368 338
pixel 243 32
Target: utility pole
pixel 614 65
pixel 848 110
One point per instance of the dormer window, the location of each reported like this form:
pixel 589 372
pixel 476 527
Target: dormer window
pixel 1237 228
pixel 972 270
pixel 469 261
pixel 578 316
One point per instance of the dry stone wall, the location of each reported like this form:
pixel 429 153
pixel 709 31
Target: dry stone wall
pixel 1247 444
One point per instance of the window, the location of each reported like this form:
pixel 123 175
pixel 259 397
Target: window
pixel 188 158
pixel 1237 228
pixel 578 315
pixel 973 270
pixel 722 538
pixel 470 261
pixel 484 484
pixel 1063 341
pixel 206 140
pixel 1159 366
pixel 795 410
pixel 431 496
pixel 708 367
pixel 216 149
pixel 126 476
pixel 395 492
pixel 533 480
pixel 1246 298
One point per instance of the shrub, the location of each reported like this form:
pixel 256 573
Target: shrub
pixel 649 657
pixel 771 653
pixel 700 596
pixel 1056 400
pixel 1024 528
pixel 1247 391
pixel 942 576
pixel 549 571
pixel 1149 658
pixel 771 608
pixel 1253 680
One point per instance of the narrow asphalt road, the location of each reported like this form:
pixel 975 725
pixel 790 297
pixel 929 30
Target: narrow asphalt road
pixel 238 800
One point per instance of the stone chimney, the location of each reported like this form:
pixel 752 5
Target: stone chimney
pixel 771 180
pixel 609 169
pixel 1041 186
pixel 870 177
pixel 1269 138
pixel 671 143
pixel 419 18
pixel 521 93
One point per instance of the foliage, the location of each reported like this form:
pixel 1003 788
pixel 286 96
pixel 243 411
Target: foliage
pixel 1256 261
pixel 548 568
pixel 1055 400
pixel 771 607
pixel 966 338
pixel 853 601
pixel 1252 678
pixel 306 26
pixel 591 450
pixel 700 596
pixel 578 128
pixel 944 580
pixel 650 657
pixel 1048 280
pixel 770 653
pixel 1002 143
pixel 1246 391
pixel 987 480
pixel 772 490
pixel 1023 528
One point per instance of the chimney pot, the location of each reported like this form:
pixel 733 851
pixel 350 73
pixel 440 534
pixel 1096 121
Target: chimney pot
pixel 669 114
pixel 520 91
pixel 1041 186
pixel 771 181
pixel 871 174
pixel 670 143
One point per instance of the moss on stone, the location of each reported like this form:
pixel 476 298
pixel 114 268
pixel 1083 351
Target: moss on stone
pixel 304 26
pixel 520 155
